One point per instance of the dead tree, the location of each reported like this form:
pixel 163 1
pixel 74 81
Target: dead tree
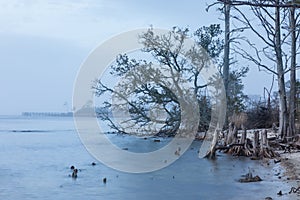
pixel 271 16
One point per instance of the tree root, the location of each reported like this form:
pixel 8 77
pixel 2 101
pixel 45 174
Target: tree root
pixel 268 153
pixel 240 151
pixel 294 190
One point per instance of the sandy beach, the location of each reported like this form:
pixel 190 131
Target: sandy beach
pixel 291 164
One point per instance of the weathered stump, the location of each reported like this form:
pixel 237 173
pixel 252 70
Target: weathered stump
pixel 265 150
pixel 255 148
pixel 244 148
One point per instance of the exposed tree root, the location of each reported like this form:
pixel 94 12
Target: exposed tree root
pixel 294 190
pixel 256 149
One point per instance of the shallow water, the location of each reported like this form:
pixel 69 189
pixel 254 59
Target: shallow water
pixel 36 155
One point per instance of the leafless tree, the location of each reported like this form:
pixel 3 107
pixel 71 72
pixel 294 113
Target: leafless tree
pixel 273 38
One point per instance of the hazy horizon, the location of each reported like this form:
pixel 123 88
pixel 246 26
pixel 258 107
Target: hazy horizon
pixel 44 43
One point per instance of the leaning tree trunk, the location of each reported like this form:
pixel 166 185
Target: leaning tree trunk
pixel 211 154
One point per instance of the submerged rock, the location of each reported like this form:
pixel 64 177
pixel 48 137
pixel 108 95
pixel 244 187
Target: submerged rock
pixel 249 178
pixel 74 174
pixel 277 161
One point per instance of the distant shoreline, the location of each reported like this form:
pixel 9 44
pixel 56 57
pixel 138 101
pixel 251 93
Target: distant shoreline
pixel 47 114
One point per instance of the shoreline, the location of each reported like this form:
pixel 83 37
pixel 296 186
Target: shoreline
pixel 290 162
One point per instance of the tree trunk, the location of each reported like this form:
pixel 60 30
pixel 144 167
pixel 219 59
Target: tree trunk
pixel 255 143
pixel 246 150
pixel 230 135
pixel 244 135
pixel 263 143
pixel 264 139
pixel 292 99
pixel 283 115
pixel 226 53
pixel 211 154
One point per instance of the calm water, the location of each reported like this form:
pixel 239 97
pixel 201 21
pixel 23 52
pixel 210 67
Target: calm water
pixel 35 165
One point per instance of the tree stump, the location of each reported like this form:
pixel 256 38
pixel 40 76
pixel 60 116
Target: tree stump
pixel 255 148
pixel 230 134
pixel 265 150
pixel 243 148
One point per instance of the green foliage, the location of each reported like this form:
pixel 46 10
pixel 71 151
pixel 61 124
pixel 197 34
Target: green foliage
pixel 209 38
pixel 167 51
pixel 236 98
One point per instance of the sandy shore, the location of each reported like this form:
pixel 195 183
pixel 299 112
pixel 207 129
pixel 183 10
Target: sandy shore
pixel 291 163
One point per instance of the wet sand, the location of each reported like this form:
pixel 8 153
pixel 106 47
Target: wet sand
pixel 291 164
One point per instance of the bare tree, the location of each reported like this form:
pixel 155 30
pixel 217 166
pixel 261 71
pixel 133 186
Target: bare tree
pixel 226 48
pixel 293 22
pixel 269 32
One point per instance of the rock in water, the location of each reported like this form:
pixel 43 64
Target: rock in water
pixel 74 174
pixel 249 178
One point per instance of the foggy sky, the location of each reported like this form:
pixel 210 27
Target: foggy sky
pixel 43 43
